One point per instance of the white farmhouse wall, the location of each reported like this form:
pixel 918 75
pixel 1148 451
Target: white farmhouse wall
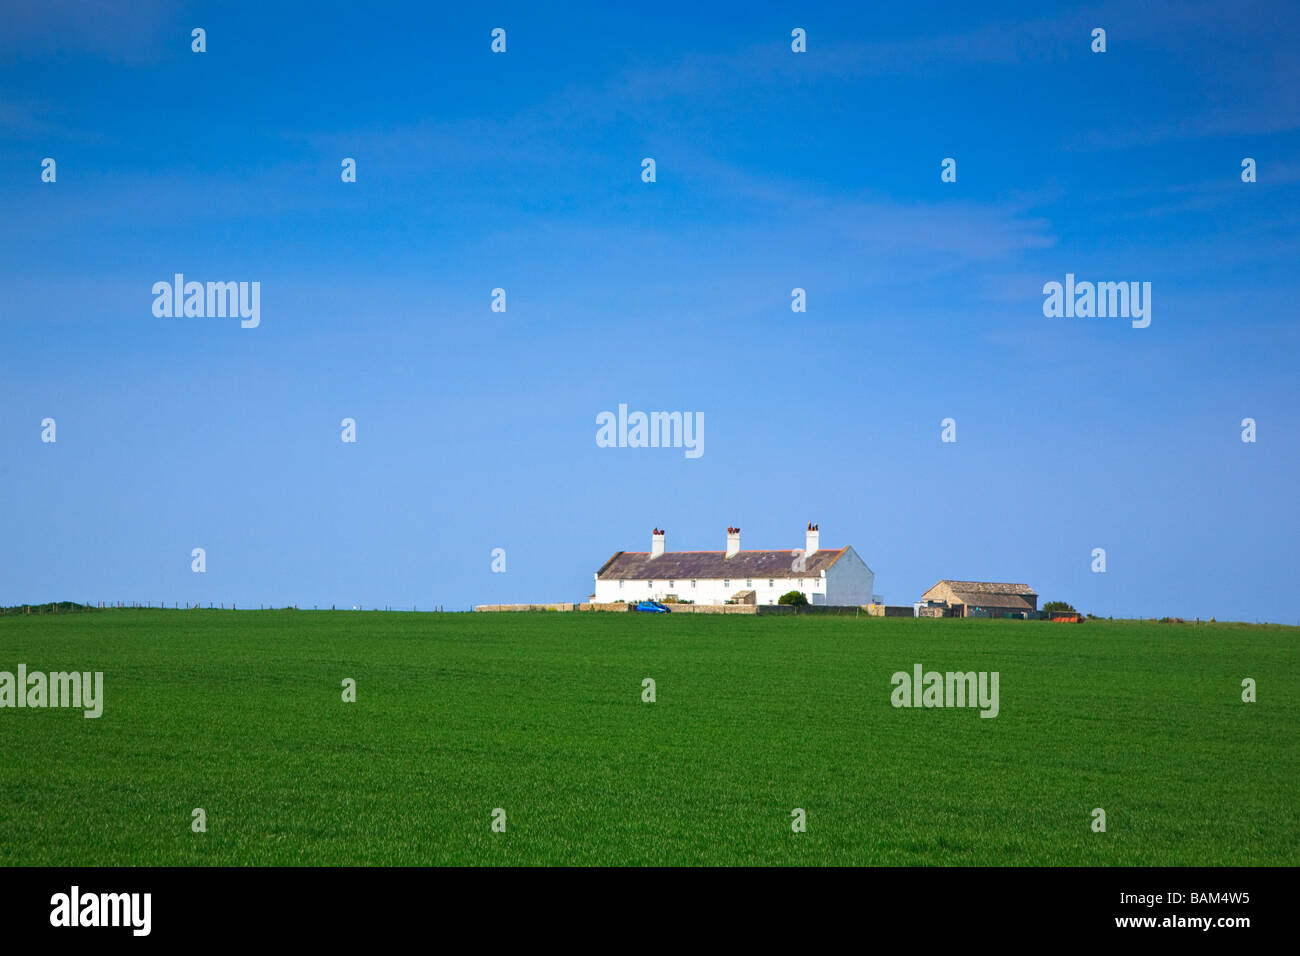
pixel 849 581
pixel 713 590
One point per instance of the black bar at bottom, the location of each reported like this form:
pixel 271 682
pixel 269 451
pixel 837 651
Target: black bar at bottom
pixel 332 906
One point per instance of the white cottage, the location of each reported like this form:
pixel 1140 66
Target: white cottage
pixel 835 576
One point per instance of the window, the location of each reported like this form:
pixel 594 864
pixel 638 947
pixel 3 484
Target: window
pixel 672 584
pixel 692 584
pixel 620 582
pixel 650 584
pixel 726 582
pixel 801 582
pixel 770 582
pixel 749 582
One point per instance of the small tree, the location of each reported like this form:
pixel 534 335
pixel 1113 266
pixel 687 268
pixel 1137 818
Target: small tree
pixel 797 598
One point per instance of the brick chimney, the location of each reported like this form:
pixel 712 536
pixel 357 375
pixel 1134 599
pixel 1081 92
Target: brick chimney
pixel 657 543
pixel 733 541
pixel 813 543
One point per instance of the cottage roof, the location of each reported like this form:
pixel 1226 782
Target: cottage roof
pixel 671 565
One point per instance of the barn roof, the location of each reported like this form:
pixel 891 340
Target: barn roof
pixel 993 594
pixel 980 599
pixel 987 587
pixel 639 566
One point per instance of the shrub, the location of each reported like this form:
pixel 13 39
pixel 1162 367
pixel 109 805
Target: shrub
pixel 1059 607
pixel 797 598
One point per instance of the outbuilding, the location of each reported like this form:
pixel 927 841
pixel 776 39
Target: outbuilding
pixel 983 599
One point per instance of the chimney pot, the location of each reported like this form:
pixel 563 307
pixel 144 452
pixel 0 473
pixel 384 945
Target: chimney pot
pixel 812 543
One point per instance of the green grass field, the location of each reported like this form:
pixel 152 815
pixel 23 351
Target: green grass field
pixel 240 713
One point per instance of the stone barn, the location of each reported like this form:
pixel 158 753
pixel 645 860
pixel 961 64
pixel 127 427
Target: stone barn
pixel 983 598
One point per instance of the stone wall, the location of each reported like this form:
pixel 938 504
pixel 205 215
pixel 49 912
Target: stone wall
pixel 525 607
pixel 761 609
pixel 891 610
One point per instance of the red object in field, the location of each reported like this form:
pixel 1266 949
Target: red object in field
pixel 1065 619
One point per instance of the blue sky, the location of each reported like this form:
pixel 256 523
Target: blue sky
pixel 775 170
